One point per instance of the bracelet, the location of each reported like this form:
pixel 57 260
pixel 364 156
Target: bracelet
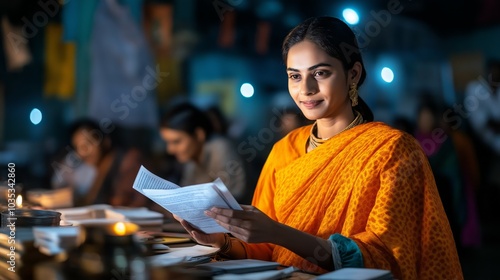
pixel 226 247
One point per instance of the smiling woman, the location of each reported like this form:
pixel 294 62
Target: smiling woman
pixel 321 91
pixel 345 191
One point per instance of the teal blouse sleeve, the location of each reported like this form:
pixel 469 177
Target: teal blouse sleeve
pixel 345 252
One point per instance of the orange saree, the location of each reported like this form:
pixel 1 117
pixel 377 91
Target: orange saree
pixel 371 184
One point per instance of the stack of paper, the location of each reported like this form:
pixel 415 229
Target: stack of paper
pixel 56 198
pixel 54 240
pixel 14 251
pixel 188 202
pixel 143 217
pixel 93 214
pixel 182 255
pixel 262 275
pixel 357 274
pixel 105 214
pixel 238 266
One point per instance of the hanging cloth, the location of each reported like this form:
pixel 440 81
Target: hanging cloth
pixel 59 68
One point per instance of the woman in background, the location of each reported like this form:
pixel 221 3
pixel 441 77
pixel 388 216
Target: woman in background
pixel 452 172
pixel 113 169
pixel 205 155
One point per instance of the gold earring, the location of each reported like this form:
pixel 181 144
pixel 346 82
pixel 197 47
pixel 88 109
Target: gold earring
pixel 353 94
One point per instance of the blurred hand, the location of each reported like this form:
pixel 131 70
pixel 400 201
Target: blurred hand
pixel 215 240
pixel 250 224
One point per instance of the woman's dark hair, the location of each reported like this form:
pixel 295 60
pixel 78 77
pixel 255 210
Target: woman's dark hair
pixel 218 119
pixel 336 38
pixel 187 118
pixel 94 131
pixel 433 105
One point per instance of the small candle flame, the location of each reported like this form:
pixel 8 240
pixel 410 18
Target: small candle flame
pixel 19 201
pixel 119 228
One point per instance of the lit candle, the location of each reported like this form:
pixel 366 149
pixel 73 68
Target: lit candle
pixel 19 201
pixel 119 228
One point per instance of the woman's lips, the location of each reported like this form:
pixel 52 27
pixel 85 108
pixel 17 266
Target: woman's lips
pixel 311 104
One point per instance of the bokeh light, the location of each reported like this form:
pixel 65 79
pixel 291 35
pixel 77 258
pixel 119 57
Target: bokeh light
pixel 36 116
pixel 350 16
pixel 387 74
pixel 246 90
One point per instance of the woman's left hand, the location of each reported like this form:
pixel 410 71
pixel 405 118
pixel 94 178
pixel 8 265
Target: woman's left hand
pixel 250 224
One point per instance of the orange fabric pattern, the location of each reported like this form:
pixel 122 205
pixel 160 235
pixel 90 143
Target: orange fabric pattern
pixel 372 184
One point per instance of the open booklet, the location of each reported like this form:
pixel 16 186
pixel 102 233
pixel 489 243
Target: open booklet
pixel 188 202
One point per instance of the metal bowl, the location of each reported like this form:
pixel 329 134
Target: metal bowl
pixel 30 217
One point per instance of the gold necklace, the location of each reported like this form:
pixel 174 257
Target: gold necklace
pixel 315 141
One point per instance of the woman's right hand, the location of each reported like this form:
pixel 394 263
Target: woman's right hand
pixel 215 240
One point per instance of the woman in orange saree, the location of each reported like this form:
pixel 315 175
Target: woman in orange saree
pixel 345 191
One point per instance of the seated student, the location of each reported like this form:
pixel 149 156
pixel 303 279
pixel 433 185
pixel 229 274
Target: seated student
pixel 205 156
pixel 110 170
pixel 345 191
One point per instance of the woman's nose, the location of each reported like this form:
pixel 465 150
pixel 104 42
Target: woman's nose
pixel 308 86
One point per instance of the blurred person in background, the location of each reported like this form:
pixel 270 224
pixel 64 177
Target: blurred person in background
pixel 291 119
pixel 205 155
pixel 220 124
pixel 224 127
pixel 110 169
pixel 471 180
pixel 482 104
pixel 439 148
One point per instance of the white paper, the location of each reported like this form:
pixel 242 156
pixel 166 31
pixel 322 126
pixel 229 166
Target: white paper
pixel 177 256
pixel 184 253
pixel 147 180
pixel 141 213
pixel 350 273
pixel 54 198
pixel 262 275
pixel 189 202
pixel 53 240
pixel 92 214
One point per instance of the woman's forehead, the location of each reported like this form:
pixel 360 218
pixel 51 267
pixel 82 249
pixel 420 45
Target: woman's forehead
pixel 306 54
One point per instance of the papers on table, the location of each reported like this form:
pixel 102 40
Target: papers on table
pixel 188 202
pixel 55 198
pixel 262 275
pixel 357 274
pixel 139 214
pixel 182 255
pixel 192 251
pixel 54 240
pixel 143 217
pixel 22 253
pixel 106 214
pixel 239 266
pixel 93 214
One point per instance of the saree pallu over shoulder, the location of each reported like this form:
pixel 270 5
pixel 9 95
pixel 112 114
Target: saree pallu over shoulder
pixel 372 184
pixel 319 176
